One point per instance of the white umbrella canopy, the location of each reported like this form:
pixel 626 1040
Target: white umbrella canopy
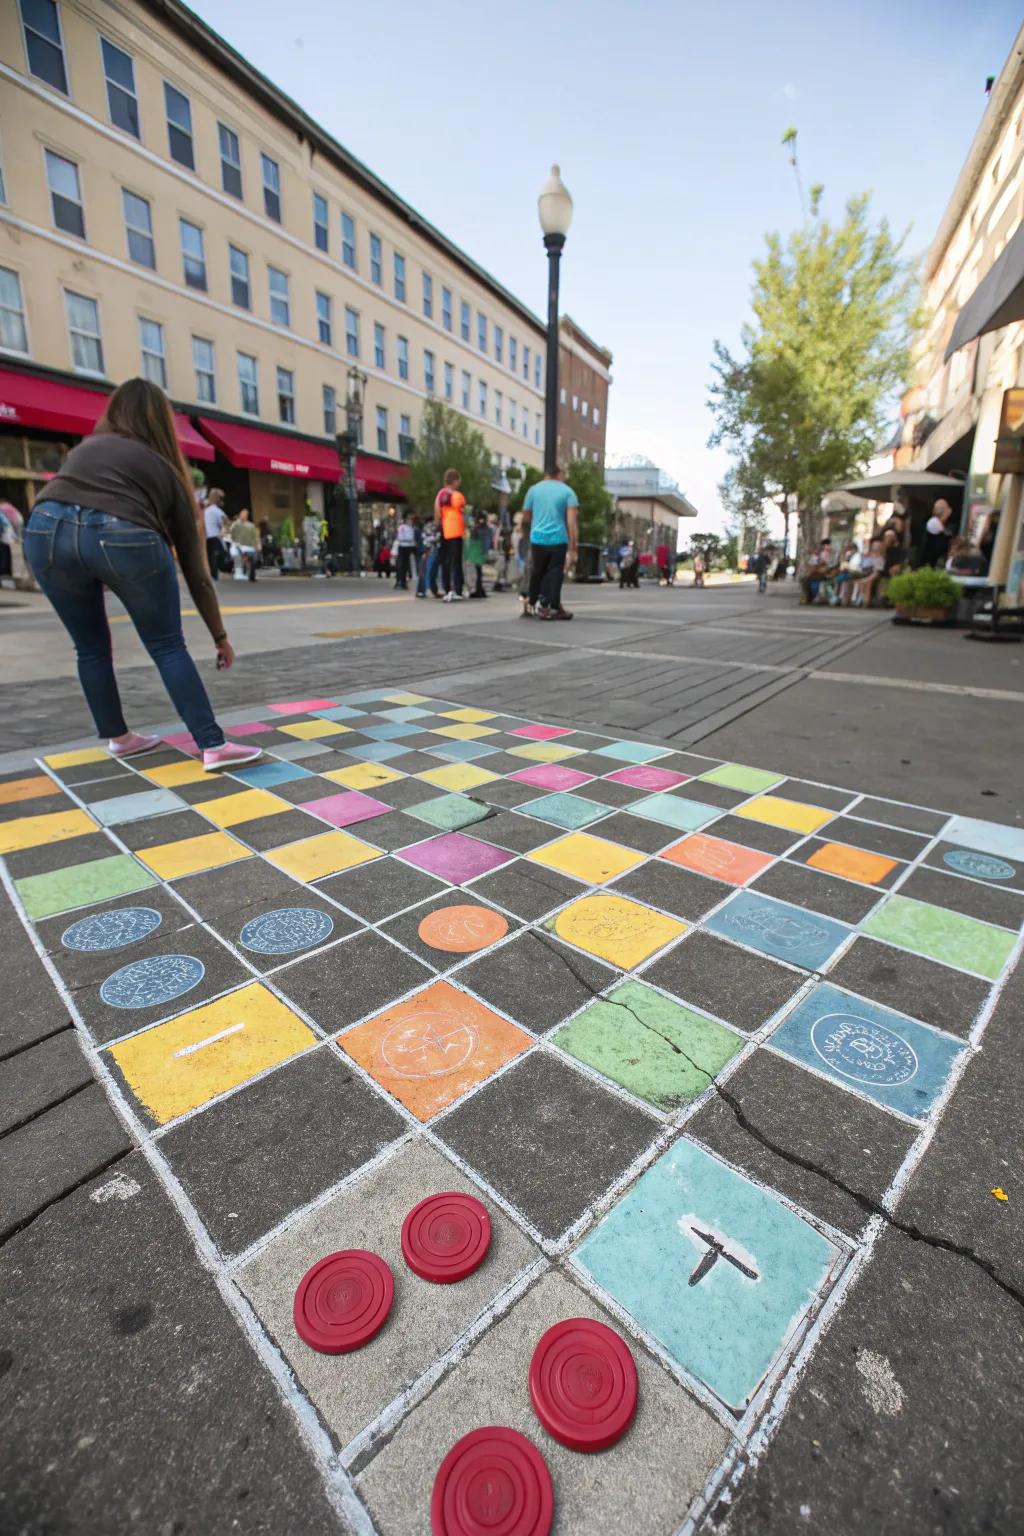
pixel 884 487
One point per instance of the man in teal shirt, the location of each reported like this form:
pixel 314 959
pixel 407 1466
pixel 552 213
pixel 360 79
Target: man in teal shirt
pixel 553 508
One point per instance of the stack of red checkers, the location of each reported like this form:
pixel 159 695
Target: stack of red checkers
pixel 446 1237
pixel 492 1481
pixel 343 1301
pixel 583 1384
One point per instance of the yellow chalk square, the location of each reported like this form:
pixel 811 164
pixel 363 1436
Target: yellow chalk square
pixel 789 814
pixel 229 810
pixel 31 831
pixel 76 759
pixel 545 751
pixel 363 775
pixel 170 775
pixel 406 698
pixel 588 858
pixel 192 854
pixel 186 1062
pixel 613 928
pixel 457 776
pixel 310 730
pixel 325 854
pixel 464 732
pixel 468 716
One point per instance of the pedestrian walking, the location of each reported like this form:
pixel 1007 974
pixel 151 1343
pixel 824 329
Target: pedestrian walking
pixel 629 566
pixel 553 510
pixel 450 510
pixel 477 549
pixel 937 534
pixel 110 519
pixel 215 522
pixel 246 540
pixel 430 561
pixel 405 545
pixel 698 569
pixel 502 558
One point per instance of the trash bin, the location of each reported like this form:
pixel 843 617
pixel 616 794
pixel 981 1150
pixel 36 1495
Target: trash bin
pixel 588 563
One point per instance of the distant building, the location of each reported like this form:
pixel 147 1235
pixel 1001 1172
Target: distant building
pixel 584 379
pixel 648 505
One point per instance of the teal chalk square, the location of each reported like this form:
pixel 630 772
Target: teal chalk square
pixel 340 712
pixel 266 775
pixel 892 1059
pixel 631 751
pixel 725 1318
pixel 460 751
pixel 674 811
pixel 375 751
pixel 403 713
pixel 776 928
pixel 564 810
pixel 393 731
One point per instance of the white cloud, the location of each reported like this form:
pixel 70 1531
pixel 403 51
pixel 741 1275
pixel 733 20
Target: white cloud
pixel 790 91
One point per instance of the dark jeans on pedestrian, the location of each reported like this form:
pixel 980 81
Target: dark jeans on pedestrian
pixel 214 556
pixel 547 569
pixel 74 552
pixel 451 565
pixel 404 566
pixel 762 579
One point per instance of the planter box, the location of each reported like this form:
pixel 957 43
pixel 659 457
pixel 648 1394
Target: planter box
pixel 913 614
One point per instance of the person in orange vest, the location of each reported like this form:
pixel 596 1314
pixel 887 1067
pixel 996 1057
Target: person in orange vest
pixel 450 511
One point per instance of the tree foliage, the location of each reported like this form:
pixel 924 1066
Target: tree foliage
pixel 802 408
pixel 597 505
pixel 448 441
pixel 710 545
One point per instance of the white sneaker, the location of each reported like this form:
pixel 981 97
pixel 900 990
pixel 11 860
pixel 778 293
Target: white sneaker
pixel 448 597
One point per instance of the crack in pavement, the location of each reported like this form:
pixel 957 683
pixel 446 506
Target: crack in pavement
pixel 867 1203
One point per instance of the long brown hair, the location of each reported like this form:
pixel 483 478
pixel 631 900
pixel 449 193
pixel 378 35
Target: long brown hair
pixel 139 408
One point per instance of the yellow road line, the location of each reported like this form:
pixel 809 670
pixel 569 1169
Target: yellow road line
pixel 336 602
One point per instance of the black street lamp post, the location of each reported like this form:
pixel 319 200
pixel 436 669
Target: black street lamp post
pixel 348 447
pixel 554 208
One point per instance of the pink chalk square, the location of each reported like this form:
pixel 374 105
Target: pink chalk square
pixel 184 743
pixel 455 857
pixel 345 809
pixel 541 732
pixel 250 728
pixel 303 706
pixel 552 776
pixel 645 776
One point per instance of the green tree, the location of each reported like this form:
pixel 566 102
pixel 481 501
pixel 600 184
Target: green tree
pixel 597 505
pixel 527 477
pixel 448 441
pixel 707 544
pixel 804 405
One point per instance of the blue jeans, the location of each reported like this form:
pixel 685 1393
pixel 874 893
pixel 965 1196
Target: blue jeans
pixel 74 552
pixel 429 562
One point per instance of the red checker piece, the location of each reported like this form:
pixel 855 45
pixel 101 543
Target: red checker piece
pixel 343 1301
pixel 446 1237
pixel 493 1482
pixel 583 1384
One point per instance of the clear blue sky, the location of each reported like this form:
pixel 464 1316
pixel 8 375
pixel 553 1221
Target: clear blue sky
pixel 666 117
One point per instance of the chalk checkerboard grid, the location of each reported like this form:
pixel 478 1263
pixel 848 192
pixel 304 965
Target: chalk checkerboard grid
pixel 624 814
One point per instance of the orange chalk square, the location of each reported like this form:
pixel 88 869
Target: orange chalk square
pixel 852 863
pixel 715 857
pixel 27 789
pixel 429 1050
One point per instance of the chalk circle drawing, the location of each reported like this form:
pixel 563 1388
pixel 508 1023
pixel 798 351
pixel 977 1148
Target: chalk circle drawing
pixel 460 930
pixel 863 1051
pixel 429 1044
pixel 111 930
pixel 984 866
pixel 147 983
pixel 776 927
pixel 286 930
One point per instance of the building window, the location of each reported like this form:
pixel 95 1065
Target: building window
pixel 561 395
pixel 230 161
pixel 43 42
pixel 575 402
pixel 449 381
pixel 400 277
pixel 526 363
pixel 403 357
pixel 481 332
pixel 280 298
pixel 499 344
pixel 382 429
pixel 330 410
pixel 193 255
pixel 596 417
pixel 538 364
pixel 84 329
pixel 586 410
pixel 351 332
pixel 513 415
pixel 512 345
pixel 320 239
pixel 286 396
pixel 498 402
pixel 482 397
pixel 202 362
pixel 138 225
pixel 379 355
pixel 13 335
pixel 446 308
pixel 271 188
pixel 179 127
pixel 249 384
pixel 406 442
pixel 376 267
pixel 241 290
pixel 428 296
pixel 119 74
pixel 154 358
pixel 464 320
pixel 348 240
pixel 323 318
pixel 465 390
pixel 65 194
pixel 536 429
pixel 428 372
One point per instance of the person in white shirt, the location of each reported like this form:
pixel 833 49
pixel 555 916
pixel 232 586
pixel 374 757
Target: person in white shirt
pixel 405 543
pixel 214 521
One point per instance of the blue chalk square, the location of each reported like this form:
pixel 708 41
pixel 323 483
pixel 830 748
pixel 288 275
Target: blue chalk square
pixel 375 751
pixel 715 1267
pixel 266 775
pixel 674 811
pixel 288 751
pixel 460 751
pixel 894 1060
pixel 147 802
pixel 338 712
pixel 404 713
pixel 631 752
pixel 776 928
pixel 564 810
pixel 393 731
pixel 985 836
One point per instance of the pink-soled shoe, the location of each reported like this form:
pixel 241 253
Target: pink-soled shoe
pixel 231 755
pixel 134 745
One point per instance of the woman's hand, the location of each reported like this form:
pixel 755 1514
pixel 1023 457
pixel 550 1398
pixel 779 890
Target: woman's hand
pixel 225 654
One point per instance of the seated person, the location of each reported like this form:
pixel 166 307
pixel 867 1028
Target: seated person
pixel 820 568
pixel 872 571
pixel 849 570
pixel 965 561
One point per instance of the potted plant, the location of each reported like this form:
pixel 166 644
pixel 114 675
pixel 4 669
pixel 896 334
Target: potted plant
pixel 925 596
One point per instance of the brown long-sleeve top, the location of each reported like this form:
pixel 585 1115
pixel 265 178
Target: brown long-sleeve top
pixel 126 478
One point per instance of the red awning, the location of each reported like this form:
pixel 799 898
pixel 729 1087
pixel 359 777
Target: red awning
pixel 380 477
pixel 253 448
pixel 28 400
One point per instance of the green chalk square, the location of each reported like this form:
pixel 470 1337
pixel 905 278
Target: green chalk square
pixel 942 935
pixel 648 1044
pixel 81 885
pixel 735 776
pixel 448 812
